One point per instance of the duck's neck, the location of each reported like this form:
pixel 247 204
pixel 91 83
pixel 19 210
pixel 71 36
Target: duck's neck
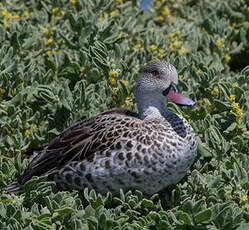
pixel 152 109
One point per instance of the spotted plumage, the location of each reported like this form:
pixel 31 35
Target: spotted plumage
pixel 149 150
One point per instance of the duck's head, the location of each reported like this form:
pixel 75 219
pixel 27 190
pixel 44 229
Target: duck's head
pixel 157 80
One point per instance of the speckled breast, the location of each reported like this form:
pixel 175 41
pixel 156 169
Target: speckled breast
pixel 149 156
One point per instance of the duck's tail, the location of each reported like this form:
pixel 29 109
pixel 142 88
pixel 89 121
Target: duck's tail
pixel 14 187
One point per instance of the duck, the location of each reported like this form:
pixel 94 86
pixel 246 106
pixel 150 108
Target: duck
pixel 147 150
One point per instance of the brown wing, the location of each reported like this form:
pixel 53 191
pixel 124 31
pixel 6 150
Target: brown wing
pixel 76 143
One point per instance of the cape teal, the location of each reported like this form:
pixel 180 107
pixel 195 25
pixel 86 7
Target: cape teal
pixel 148 150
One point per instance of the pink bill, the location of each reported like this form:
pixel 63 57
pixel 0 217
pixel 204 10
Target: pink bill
pixel 179 99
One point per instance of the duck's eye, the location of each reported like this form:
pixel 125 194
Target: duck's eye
pixel 155 73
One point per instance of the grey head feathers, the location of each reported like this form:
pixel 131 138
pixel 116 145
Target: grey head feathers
pixel 120 148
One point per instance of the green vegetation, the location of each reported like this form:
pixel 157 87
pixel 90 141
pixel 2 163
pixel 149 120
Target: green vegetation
pixel 64 60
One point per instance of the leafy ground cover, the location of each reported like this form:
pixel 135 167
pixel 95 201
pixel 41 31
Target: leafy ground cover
pixel 64 60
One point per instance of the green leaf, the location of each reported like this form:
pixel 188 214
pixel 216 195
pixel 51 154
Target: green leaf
pixel 68 42
pixel 203 149
pixel 94 75
pixel 243 226
pixel 185 217
pixel 203 216
pixel 5 169
pixel 147 203
pixel 220 106
pixel 100 63
pixel 89 211
pixel 14 41
pixel 64 211
pixel 50 64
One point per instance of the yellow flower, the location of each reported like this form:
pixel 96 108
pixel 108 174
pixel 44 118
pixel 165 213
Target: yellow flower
pixel 49 41
pixel 239 115
pixel 178 32
pixel 4 12
pixel 171 46
pixel 115 90
pixel 235 85
pixel 63 12
pixel 120 34
pixel 211 107
pixel 157 5
pixel 152 47
pixel 49 52
pixel 53 28
pixel 171 35
pixel 8 15
pixel 216 90
pixel 105 14
pixel 27 132
pixel 180 76
pixel 161 18
pixel 152 30
pixel 16 16
pixel 138 46
pixel 183 50
pixel 227 58
pixel 73 2
pixel 128 101
pixel 238 111
pixel 13 92
pixel 161 51
pixel 235 106
pixel 45 31
pixel 2 91
pixel 26 14
pixel 176 43
pixel 100 19
pixel 55 10
pixel 112 80
pixel 219 42
pixel 199 71
pixel 112 73
pixel 202 29
pixel 82 69
pixel 57 18
pixel 244 198
pixel 34 127
pixel 155 58
pixel 166 11
pixel 232 97
pixel 112 12
pixel 5 21
pixel 119 1
pixel 126 83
